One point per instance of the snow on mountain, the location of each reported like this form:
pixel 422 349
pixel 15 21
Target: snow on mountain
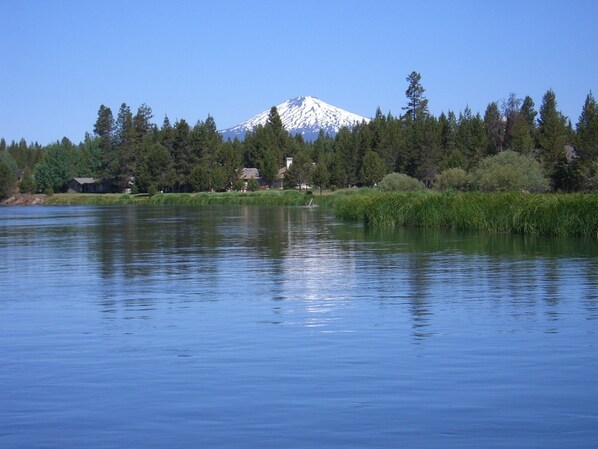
pixel 301 115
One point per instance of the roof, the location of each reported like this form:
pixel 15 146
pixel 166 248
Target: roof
pixel 85 180
pixel 250 173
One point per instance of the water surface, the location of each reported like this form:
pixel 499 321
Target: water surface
pixel 249 327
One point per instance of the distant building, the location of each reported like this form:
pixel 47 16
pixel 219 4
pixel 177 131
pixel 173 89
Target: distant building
pixel 247 174
pixel 89 185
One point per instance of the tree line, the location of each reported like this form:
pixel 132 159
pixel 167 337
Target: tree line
pixel 132 152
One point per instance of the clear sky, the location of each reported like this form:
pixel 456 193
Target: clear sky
pixel 60 60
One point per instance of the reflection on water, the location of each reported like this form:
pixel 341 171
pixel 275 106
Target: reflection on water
pixel 283 327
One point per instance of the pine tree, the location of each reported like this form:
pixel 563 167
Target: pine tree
pixel 587 131
pixel 372 169
pixel 552 132
pixel 495 129
pixel 417 104
pixel 104 129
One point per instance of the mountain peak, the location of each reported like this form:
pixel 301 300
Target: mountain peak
pixel 303 115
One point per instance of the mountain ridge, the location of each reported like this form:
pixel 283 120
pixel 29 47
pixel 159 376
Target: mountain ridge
pixel 303 115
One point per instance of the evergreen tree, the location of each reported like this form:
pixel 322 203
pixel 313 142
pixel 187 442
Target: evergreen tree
pixel 8 180
pixel 104 128
pixel 155 168
pixel 471 138
pixel 373 169
pixel 528 113
pixel 300 171
pixel 495 129
pixel 552 133
pixel 587 131
pixel 181 154
pixel 321 176
pixel 417 103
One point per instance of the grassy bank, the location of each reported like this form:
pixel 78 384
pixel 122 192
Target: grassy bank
pixel 542 214
pixel 264 198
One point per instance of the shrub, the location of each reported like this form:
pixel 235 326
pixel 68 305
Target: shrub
pixel 509 172
pixel 399 182
pixel 253 185
pixel 238 185
pixel 152 190
pixel 452 179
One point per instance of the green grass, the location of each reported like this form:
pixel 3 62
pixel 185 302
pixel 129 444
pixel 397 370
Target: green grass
pixel 539 214
pixel 266 198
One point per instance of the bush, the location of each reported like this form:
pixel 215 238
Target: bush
pixel 238 185
pixel 509 172
pixel 452 179
pixel 253 185
pixel 49 191
pixel 399 182
pixel 152 190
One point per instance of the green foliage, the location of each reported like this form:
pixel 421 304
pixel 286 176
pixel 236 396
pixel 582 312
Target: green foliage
pixel 417 104
pixel 300 171
pixel 253 185
pixel 27 184
pixel 321 176
pixel 8 180
pixel 552 132
pixel 587 131
pixel 509 172
pixel 238 185
pixel 520 213
pixel 399 182
pixel 152 190
pixel 372 169
pixel 199 179
pixel 56 168
pixel 154 168
pixel 452 179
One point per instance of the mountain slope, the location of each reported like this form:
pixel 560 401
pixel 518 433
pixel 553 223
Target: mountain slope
pixel 301 115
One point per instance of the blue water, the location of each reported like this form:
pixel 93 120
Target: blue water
pixel 253 327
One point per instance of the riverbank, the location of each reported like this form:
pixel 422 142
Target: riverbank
pixel 517 213
pixel 262 198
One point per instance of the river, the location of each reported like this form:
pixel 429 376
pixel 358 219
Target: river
pixel 257 327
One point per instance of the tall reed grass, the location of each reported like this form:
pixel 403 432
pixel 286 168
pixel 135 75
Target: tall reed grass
pixel 538 214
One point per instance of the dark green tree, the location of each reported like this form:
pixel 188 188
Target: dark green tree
pixel 587 131
pixel 104 128
pixel 552 133
pixel 373 169
pixel 300 171
pixel 155 167
pixel 321 176
pixel 182 155
pixel 8 180
pixel 268 168
pixel 417 104
pixel 528 113
pixel 495 129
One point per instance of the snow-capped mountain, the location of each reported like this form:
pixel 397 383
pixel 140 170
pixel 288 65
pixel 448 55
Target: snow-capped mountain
pixel 301 115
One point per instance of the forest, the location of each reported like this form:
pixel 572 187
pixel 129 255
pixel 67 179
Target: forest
pixel 462 151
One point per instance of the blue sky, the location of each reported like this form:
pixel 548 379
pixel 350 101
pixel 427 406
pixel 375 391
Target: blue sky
pixel 60 60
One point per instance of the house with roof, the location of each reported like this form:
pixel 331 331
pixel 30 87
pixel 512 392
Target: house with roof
pixel 89 185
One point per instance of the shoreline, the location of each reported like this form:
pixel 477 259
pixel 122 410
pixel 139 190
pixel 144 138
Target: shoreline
pixel 550 214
